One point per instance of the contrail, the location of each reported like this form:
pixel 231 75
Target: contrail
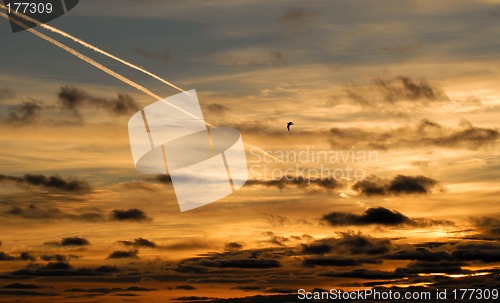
pixel 92 47
pixel 99 66
pixel 114 74
pixel 84 58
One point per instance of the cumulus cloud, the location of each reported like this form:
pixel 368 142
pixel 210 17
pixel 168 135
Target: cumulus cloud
pixel 347 244
pixel 448 267
pixel 297 182
pixel 420 254
pixel 6 257
pixel 185 287
pixel 58 257
pixel 484 252
pixel 242 263
pixel 132 214
pixel 338 262
pixel 74 99
pixel 401 184
pixel 140 242
pixel 379 216
pixel 70 241
pixel 488 228
pixel 59 269
pixel 425 133
pixel 124 254
pixel 50 213
pixel 18 285
pixel 53 182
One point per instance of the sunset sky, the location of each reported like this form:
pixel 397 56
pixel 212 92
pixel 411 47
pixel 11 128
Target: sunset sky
pixel 389 179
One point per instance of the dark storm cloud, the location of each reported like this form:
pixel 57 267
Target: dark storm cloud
pixel 374 186
pixel 74 241
pixel 365 274
pixel 139 242
pixel 26 256
pixel 26 293
pixel 298 182
pixel 18 285
pixel 488 228
pixel 70 241
pixel 249 287
pixel 140 288
pixel 223 280
pixel 58 257
pixel 132 214
pixel 318 249
pixel 242 263
pixel 61 269
pixel 107 269
pixel 163 56
pixel 100 290
pixel 50 213
pixel 424 134
pixel 105 290
pixel 50 269
pixel 6 257
pixel 338 262
pixel 348 243
pixel 52 182
pixel 253 299
pixel 280 290
pixel 26 113
pixel 74 99
pixel 483 252
pixel 420 254
pixel 447 267
pixel 23 256
pixel 409 185
pixel 379 216
pixel 185 287
pixel 124 254
pixel 229 261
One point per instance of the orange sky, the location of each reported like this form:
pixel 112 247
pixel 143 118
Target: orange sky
pixel 414 84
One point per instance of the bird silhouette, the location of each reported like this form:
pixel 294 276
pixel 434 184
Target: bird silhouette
pixel 288 125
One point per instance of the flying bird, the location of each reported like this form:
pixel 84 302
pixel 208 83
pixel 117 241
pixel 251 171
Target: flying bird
pixel 288 125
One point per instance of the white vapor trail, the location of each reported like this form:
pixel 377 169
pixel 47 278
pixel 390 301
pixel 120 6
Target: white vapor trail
pixel 90 46
pixel 105 69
